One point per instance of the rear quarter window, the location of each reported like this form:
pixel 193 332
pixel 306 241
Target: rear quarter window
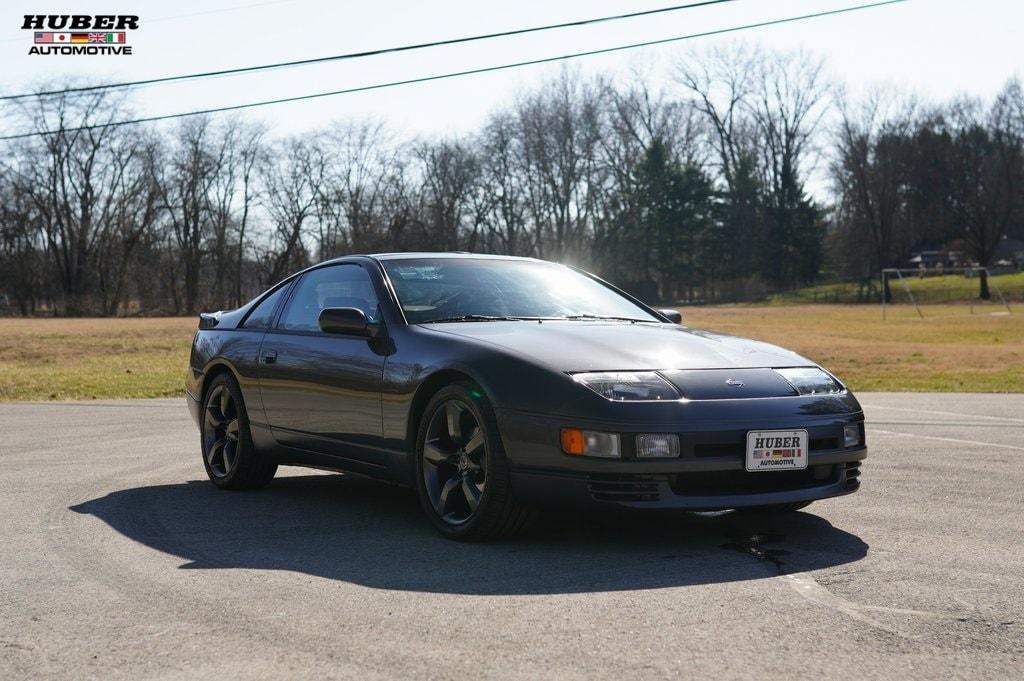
pixel 262 316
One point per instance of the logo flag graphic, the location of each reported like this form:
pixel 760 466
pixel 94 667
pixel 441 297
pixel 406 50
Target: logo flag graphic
pixel 67 38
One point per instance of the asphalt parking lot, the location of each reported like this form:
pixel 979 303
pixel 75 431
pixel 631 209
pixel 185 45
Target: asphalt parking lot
pixel 118 560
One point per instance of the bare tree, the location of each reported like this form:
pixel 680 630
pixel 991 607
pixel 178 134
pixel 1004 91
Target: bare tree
pixel 363 170
pixel 764 110
pixel 87 182
pixel 192 171
pixel 501 200
pixel 721 83
pixel 448 172
pixel 561 127
pixel 231 200
pixel 131 218
pixel 988 173
pixel 22 265
pixel 870 173
pixel 293 178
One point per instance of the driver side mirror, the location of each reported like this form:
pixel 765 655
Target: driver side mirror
pixel 348 321
pixel 674 316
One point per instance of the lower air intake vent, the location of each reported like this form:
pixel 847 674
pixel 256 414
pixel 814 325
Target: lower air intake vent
pixel 715 483
pixel 853 474
pixel 626 487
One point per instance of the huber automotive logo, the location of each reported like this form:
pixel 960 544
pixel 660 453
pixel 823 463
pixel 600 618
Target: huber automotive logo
pixel 80 33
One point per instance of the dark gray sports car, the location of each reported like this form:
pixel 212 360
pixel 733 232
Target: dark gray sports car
pixel 494 385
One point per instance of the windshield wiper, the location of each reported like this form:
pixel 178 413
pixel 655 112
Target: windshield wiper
pixel 505 318
pixel 477 318
pixel 598 317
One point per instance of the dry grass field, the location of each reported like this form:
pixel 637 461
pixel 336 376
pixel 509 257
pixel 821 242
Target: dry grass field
pixel 950 350
pixel 61 359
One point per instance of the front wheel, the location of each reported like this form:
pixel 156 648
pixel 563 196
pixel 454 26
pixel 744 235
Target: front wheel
pixel 462 473
pixel 229 456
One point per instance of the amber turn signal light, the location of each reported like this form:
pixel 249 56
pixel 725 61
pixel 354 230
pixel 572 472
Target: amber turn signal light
pixel 572 441
pixel 590 443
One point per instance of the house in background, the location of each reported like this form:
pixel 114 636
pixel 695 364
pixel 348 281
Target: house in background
pixel 939 259
pixel 1009 253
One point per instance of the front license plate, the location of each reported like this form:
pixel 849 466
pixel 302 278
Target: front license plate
pixel 776 450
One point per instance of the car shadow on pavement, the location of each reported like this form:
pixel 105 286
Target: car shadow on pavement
pixel 346 528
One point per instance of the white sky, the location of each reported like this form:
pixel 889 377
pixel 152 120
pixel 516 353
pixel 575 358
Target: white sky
pixel 935 47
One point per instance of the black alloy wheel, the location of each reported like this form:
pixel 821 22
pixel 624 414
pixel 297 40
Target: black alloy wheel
pixel 462 473
pixel 220 432
pixel 230 457
pixel 454 465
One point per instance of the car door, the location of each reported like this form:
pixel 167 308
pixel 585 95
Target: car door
pixel 322 392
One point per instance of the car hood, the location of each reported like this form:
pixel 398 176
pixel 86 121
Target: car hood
pixel 608 346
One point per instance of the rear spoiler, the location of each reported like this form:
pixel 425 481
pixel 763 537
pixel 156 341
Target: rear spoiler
pixel 209 320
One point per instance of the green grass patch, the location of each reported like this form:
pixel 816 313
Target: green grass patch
pixel 931 290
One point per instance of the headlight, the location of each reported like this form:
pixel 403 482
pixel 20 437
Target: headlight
pixel 629 386
pixel 811 381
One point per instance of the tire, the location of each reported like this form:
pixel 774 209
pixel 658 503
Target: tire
pixel 230 458
pixel 449 454
pixel 777 508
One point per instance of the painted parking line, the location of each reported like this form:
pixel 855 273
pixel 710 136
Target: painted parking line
pixel 944 413
pixel 957 424
pixel 916 436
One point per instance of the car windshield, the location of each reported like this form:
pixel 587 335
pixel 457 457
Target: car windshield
pixel 471 289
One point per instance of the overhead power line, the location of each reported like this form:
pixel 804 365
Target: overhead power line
pixel 367 53
pixel 458 74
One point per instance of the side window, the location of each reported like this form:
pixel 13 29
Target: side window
pixel 262 316
pixel 335 286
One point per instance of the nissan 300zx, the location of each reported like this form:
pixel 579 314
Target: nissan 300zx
pixel 495 385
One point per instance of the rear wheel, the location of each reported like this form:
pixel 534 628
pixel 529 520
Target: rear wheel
pixel 229 456
pixel 461 470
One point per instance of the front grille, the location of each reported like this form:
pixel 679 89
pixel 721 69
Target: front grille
pixel 615 487
pixel 715 483
pixel 738 449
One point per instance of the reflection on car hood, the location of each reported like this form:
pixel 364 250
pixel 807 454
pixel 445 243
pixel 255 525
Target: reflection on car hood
pixel 606 346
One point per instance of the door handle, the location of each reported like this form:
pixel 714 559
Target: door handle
pixel 270 356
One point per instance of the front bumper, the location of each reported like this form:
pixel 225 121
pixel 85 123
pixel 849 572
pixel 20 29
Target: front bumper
pixel 709 474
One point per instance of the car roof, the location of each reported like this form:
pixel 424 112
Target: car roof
pixel 440 254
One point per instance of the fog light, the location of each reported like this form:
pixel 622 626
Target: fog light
pixel 851 435
pixel 657 446
pixel 590 443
